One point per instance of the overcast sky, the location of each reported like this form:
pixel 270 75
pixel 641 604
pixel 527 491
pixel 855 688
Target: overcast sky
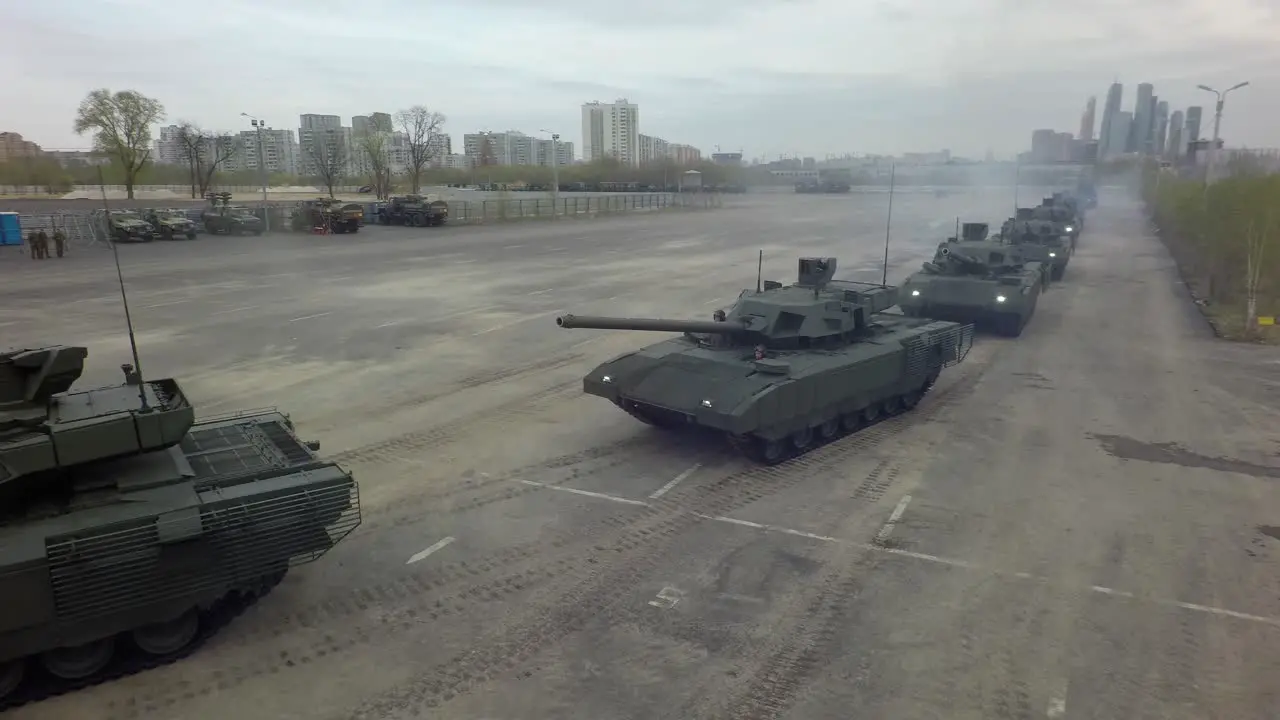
pixel 769 77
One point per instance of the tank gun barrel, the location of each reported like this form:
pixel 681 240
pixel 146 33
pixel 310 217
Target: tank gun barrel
pixel 595 322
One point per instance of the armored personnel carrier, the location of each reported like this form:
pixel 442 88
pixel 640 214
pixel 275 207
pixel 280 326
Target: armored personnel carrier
pixel 416 210
pixel 1040 240
pixel 333 216
pixel 987 283
pixel 128 226
pixel 129 531
pixel 169 224
pixel 221 217
pixel 785 368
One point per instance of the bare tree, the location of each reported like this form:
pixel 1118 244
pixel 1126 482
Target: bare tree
pixel 328 153
pixel 422 130
pixel 122 128
pixel 204 152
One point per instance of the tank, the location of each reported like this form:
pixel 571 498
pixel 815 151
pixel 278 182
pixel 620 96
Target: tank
pixel 130 531
pixel 1040 240
pixel 221 217
pixel 785 368
pixel 128 226
pixel 170 224
pixel 989 284
pixel 416 210
pixel 1064 209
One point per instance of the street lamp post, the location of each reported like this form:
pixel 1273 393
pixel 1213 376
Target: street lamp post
pixel 1217 123
pixel 259 126
pixel 555 174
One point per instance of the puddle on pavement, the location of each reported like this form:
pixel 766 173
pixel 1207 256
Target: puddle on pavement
pixel 1127 448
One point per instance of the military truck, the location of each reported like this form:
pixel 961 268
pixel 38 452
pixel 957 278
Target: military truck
pixel 171 223
pixel 130 531
pixel 415 210
pixel 328 214
pixel 785 368
pixel 987 283
pixel 128 226
pixel 221 217
pixel 1040 241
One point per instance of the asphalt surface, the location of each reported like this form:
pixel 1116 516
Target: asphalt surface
pixel 1074 524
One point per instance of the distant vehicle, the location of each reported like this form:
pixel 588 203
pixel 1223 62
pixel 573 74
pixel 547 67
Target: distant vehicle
pixel 785 368
pixel 171 223
pixel 130 531
pixel 415 210
pixel 334 216
pixel 978 281
pixel 128 226
pixel 1043 241
pixel 221 217
pixel 365 189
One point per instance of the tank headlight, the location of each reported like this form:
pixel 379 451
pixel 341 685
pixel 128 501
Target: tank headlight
pixel 606 379
pixel 1069 228
pixel 1000 298
pixel 1053 254
pixel 915 293
pixel 706 403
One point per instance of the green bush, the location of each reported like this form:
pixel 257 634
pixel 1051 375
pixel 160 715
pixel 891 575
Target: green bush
pixel 1226 239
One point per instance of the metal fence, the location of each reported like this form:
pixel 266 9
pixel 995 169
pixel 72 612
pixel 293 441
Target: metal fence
pixel 84 227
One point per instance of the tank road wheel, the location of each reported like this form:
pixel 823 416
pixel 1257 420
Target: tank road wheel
pixel 11 674
pixel 770 452
pixel 81 661
pixel 851 422
pixel 870 413
pixel 166 638
pixel 829 429
pixel 892 406
pixel 802 439
pixel 912 398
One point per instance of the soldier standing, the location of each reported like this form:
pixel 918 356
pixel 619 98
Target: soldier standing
pixel 43 239
pixel 33 242
pixel 59 241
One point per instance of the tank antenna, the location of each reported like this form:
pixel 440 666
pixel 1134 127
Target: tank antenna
pixel 128 320
pixel 1017 181
pixel 759 270
pixel 957 227
pixel 888 224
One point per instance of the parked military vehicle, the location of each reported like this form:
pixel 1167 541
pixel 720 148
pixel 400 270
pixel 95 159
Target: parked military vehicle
pixel 415 210
pixel 828 186
pixel 130 531
pixel 171 223
pixel 783 369
pixel 1040 241
pixel 332 216
pixel 128 226
pixel 223 218
pixel 987 283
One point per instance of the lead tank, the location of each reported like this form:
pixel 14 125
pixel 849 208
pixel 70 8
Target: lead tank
pixel 130 531
pixel 987 283
pixel 785 368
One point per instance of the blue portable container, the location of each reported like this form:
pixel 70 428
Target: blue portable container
pixel 10 229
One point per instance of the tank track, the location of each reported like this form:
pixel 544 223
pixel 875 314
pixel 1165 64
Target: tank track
pixel 40 685
pixel 751 446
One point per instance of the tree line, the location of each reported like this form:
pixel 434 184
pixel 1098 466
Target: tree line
pixel 1225 237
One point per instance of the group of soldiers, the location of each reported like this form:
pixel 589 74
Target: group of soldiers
pixel 38 241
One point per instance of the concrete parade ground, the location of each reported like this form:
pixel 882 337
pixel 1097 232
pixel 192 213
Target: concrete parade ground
pixel 1079 523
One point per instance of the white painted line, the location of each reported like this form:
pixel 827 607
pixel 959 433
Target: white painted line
pixel 434 548
pixel 236 310
pixel 675 481
pixel 557 249
pixel 310 317
pixel 925 557
pixel 1058 702
pixel 512 247
pixel 542 291
pixel 388 324
pixel 464 262
pixel 894 517
pixel 340 277
pixel 712 302
pixel 163 304
pixel 586 493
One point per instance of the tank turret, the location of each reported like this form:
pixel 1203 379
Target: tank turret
pixel 815 310
pixel 44 426
pixel 974 231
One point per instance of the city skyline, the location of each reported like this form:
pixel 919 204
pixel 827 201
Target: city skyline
pixel 972 75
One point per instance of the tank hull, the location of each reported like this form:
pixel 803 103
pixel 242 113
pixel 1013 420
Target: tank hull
pixel 987 304
pixel 787 402
pixel 187 542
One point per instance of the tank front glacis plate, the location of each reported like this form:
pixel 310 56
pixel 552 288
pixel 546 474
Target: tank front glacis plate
pixel 706 386
pixel 961 293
